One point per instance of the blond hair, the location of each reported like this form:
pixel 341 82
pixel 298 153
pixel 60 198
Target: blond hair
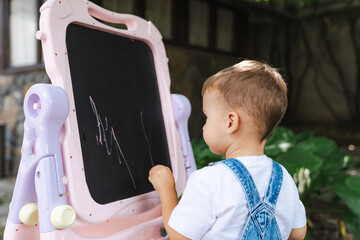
pixel 254 87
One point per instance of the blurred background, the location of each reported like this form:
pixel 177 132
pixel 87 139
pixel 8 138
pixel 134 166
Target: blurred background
pixel 314 43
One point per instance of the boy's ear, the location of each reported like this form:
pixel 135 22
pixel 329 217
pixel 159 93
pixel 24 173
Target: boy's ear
pixel 233 122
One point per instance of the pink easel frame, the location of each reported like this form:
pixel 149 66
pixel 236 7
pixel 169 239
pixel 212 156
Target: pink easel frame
pixel 133 218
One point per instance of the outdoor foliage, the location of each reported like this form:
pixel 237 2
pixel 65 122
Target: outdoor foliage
pixel 319 169
pixel 203 155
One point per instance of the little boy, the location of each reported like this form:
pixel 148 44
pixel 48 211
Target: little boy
pixel 247 196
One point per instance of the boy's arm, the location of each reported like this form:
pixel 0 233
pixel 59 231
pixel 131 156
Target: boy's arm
pixel 163 181
pixel 298 233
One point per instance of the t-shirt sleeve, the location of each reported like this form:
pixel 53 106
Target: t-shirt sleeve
pixel 195 213
pixel 299 210
pixel 299 215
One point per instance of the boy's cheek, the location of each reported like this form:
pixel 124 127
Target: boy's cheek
pixel 205 130
pixel 208 134
pixel 205 136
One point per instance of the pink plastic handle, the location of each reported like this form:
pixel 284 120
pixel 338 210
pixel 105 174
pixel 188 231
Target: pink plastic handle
pixel 106 15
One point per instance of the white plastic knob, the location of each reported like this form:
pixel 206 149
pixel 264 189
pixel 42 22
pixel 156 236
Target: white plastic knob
pixel 40 35
pixel 62 216
pixel 29 215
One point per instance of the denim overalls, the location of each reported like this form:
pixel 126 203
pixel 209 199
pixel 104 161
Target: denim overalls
pixel 262 223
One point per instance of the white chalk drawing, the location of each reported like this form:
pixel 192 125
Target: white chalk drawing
pixel 102 140
pixel 146 138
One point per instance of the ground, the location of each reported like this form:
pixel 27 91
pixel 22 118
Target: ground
pixel 6 189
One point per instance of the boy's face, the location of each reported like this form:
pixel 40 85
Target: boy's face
pixel 214 129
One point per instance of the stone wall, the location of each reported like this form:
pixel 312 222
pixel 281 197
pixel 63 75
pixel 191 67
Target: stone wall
pixel 13 88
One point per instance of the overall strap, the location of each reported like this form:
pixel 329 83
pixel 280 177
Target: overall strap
pixel 275 183
pixel 246 181
pixel 262 220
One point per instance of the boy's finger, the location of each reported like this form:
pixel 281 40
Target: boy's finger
pixel 155 168
pixel 152 170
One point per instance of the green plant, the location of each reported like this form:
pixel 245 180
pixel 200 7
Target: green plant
pixel 320 169
pixel 203 155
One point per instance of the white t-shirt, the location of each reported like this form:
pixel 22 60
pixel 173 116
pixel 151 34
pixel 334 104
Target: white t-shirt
pixel 213 205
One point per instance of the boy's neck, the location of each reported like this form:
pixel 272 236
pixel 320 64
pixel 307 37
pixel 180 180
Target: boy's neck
pixel 250 147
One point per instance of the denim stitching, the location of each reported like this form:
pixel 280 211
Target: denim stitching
pixel 246 180
pixel 274 184
pixel 262 213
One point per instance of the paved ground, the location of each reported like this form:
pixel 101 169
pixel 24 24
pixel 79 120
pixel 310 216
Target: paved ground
pixel 6 189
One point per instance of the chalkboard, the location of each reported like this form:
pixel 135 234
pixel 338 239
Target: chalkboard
pixel 118 109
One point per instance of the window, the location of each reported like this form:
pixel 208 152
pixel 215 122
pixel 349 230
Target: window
pixel 156 11
pixel 224 30
pixel 159 12
pixel 19 48
pixel 23 26
pixel 212 26
pixel 199 24
pixel 196 23
pixel 122 6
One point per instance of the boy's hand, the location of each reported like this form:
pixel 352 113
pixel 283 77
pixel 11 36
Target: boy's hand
pixel 163 181
pixel 161 178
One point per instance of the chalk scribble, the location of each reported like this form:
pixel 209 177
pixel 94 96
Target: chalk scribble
pixel 146 138
pixel 102 140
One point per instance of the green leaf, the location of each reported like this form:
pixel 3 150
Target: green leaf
pixel 352 221
pixel 334 163
pixel 202 154
pixel 348 189
pixel 296 158
pixel 281 133
pixel 320 146
pixel 308 236
pixel 279 146
pixel 301 137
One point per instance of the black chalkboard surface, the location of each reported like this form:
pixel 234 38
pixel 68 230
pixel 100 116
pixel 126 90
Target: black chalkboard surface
pixel 118 110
